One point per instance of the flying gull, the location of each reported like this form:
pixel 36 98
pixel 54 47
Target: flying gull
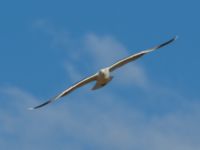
pixel 102 77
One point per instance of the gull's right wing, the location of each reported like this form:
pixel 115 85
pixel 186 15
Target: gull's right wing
pixel 67 91
pixel 138 55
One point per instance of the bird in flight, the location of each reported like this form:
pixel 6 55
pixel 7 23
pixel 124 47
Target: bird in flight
pixel 102 77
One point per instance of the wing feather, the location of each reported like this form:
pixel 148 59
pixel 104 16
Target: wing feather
pixel 138 55
pixel 67 91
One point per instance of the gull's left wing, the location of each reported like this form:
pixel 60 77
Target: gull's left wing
pixel 67 91
pixel 138 55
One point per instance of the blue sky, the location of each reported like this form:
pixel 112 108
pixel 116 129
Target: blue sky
pixel 47 46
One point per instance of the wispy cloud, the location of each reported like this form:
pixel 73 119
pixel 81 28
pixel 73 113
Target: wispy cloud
pixel 59 37
pixel 106 50
pixel 97 122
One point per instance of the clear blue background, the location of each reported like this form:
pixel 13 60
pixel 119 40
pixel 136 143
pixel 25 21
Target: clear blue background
pixel 37 41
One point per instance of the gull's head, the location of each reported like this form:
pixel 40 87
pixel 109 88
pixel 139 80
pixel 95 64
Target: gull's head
pixel 104 72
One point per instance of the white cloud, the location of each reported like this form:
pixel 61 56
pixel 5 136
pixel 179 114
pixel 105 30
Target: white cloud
pixel 105 51
pixel 100 121
pixel 102 51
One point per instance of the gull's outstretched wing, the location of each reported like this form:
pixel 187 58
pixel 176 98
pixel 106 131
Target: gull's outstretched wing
pixel 138 55
pixel 67 91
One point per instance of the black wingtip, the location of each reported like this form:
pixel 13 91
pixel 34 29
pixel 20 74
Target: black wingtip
pixel 39 106
pixel 168 42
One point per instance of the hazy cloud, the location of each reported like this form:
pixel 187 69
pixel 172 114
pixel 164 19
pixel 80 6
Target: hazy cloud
pixel 100 121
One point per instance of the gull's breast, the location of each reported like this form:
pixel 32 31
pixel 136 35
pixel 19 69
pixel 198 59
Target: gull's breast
pixel 103 76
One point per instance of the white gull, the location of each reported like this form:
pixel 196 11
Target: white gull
pixel 103 76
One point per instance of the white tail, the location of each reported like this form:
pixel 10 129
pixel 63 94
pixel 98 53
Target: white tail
pixel 100 85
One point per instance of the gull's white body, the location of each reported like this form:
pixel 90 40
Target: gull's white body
pixel 103 76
